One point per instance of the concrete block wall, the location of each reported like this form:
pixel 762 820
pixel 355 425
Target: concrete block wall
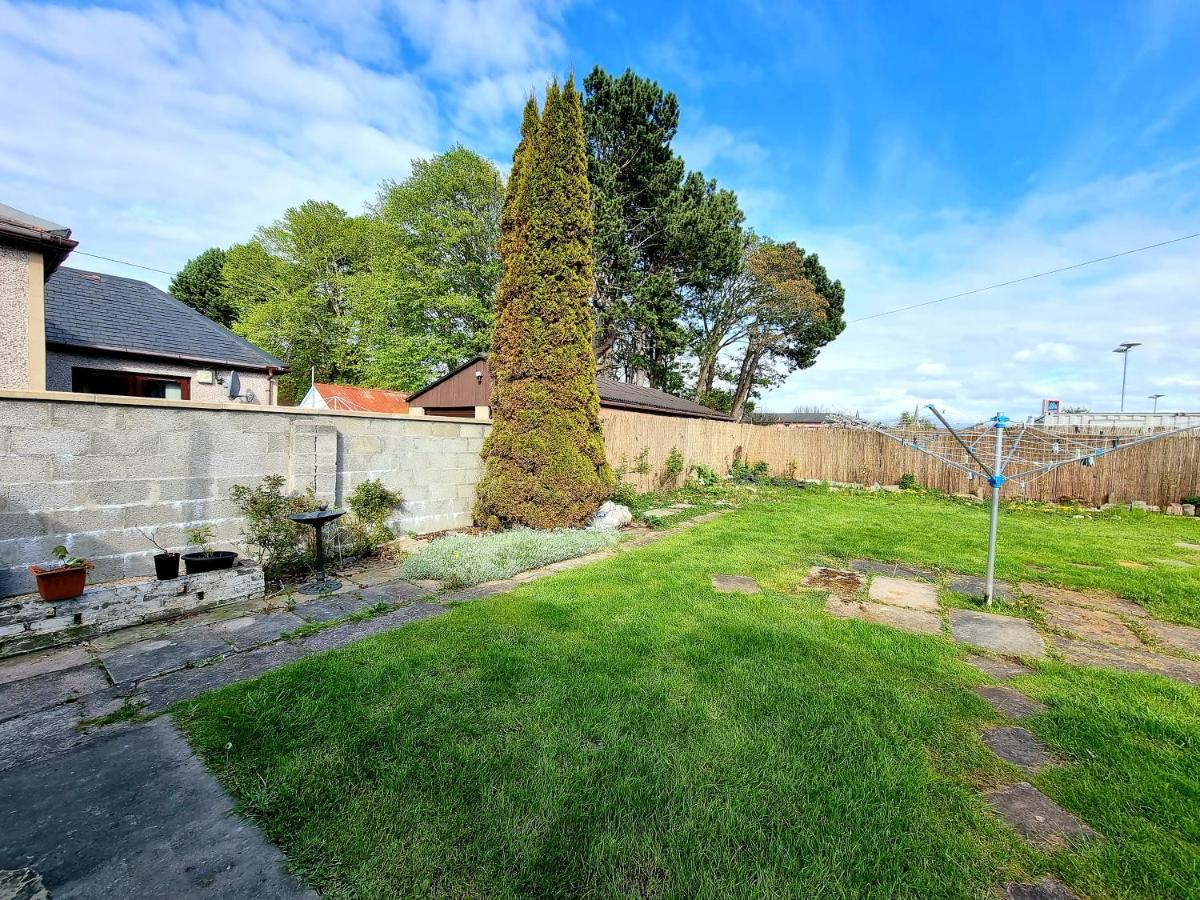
pixel 88 471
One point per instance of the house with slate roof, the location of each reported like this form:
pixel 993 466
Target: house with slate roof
pixel 92 333
pixel 466 392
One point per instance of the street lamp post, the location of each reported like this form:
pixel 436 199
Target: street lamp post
pixel 1155 397
pixel 1124 349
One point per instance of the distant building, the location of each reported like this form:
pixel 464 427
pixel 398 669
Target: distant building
pixel 792 420
pixel 343 396
pixel 1090 421
pixel 86 332
pixel 467 393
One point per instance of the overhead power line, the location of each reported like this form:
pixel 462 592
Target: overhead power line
pixel 992 287
pixel 122 262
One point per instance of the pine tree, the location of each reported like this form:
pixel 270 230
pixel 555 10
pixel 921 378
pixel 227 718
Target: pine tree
pixel 544 464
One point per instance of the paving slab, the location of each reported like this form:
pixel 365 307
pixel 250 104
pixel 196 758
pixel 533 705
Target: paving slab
pixel 1187 546
pixel 22 884
pixel 659 513
pixel 1017 746
pixel 997 668
pixel 904 592
pixel 836 581
pixel 1009 702
pixel 1036 817
pixel 1128 659
pixel 1085 599
pixel 157 655
pixel 735 584
pixel 1046 889
pixel 1175 563
pixel 31 694
pixel 27 665
pixel 875 567
pixel 914 620
pixel 134 814
pixel 251 631
pixel 1000 634
pixel 1091 624
pixel 974 586
pixel 1181 637
pixel 333 607
pixel 396 592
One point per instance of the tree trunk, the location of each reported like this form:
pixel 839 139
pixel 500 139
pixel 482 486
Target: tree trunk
pixel 746 379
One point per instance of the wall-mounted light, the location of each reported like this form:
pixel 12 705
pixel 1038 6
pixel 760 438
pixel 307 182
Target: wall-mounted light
pixel 479 376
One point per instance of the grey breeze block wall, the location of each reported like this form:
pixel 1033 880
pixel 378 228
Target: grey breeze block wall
pixel 87 471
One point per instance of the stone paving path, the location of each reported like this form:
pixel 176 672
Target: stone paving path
pixel 126 810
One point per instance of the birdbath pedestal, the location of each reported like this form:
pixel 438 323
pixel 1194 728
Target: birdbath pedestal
pixel 317 519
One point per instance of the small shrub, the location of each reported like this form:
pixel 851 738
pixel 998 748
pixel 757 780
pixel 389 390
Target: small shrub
pixel 461 560
pixel 370 503
pixel 908 482
pixel 623 493
pixel 281 545
pixel 641 462
pixel 674 463
pixel 201 538
pixel 1193 500
pixel 742 471
pixel 705 475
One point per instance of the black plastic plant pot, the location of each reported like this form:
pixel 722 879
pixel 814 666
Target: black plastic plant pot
pixel 195 563
pixel 166 566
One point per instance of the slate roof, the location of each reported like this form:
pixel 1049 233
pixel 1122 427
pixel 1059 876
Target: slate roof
pixel 92 311
pixel 618 394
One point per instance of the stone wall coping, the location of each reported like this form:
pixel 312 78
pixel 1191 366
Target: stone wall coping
pixel 110 400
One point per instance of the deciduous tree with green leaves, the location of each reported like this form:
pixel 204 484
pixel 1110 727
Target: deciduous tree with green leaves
pixel 544 462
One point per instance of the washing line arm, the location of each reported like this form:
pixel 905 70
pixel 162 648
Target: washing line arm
pixel 970 450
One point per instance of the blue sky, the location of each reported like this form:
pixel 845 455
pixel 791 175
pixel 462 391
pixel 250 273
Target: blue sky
pixel 921 149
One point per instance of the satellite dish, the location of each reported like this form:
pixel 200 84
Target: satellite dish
pixel 235 386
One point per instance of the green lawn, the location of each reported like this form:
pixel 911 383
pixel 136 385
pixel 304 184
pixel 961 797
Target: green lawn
pixel 622 730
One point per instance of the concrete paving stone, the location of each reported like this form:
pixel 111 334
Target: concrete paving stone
pixel 397 591
pixel 1187 546
pixel 914 620
pixel 335 607
pixel 260 630
pixel 974 586
pixel 683 506
pixel 997 668
pixel 1088 566
pixel 1174 563
pixel 51 688
pixel 350 632
pixel 1128 659
pixel 479 591
pixel 904 592
pixel 1009 702
pixel 28 738
pixel 1017 746
pixel 660 512
pixel 836 581
pixel 897 570
pixel 1036 817
pixel 22 884
pixel 1091 624
pixel 1181 637
pixel 27 665
pixel 156 656
pixel 1046 889
pixel 735 584
pixel 134 814
pixel 1085 599
pixel 1000 634
pixel 157 693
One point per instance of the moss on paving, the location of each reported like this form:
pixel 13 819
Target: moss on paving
pixel 621 729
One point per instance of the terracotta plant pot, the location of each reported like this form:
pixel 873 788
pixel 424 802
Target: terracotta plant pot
pixel 195 563
pixel 61 583
pixel 166 566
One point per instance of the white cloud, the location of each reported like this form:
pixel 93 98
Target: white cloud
pixel 701 146
pixel 1047 350
pixel 931 368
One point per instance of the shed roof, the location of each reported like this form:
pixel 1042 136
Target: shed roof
pixel 129 317
pixel 23 229
pixel 344 396
pixel 796 418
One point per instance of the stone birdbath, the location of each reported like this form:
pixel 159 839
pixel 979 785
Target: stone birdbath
pixel 317 519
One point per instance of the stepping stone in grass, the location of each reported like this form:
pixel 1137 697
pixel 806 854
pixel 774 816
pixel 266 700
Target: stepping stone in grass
pixel 735 584
pixel 997 668
pixel 1011 703
pixel 1186 546
pixel 1087 566
pixel 904 592
pixel 1046 889
pixel 1017 746
pixel 682 506
pixel 974 586
pixel 1128 659
pixel 1174 563
pixel 1094 625
pixel 1181 637
pixel 913 620
pixel 836 581
pixel 660 513
pixel 1086 599
pixel 1036 817
pixel 874 567
pixel 1000 634
pixel 1130 564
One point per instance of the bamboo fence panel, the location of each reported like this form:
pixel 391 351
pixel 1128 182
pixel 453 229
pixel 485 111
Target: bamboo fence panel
pixel 1159 472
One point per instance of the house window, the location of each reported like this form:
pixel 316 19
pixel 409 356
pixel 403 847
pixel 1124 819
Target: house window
pixel 129 384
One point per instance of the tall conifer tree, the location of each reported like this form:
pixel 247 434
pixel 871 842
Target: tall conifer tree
pixel 544 463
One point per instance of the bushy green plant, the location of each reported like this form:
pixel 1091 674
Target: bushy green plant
pixel 908 482
pixel 704 474
pixel 623 493
pixel 743 472
pixel 1193 500
pixel 641 462
pixel 370 503
pixel 461 560
pixel 280 545
pixel 200 537
pixel 66 559
pixel 674 463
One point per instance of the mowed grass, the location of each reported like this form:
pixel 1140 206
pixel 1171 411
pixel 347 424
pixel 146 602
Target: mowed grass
pixel 622 730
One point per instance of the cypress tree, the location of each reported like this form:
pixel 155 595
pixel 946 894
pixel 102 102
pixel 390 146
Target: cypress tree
pixel 544 464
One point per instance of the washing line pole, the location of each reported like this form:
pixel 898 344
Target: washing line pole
pixel 996 480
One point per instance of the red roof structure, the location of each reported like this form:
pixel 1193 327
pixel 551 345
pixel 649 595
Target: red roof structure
pixel 343 396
